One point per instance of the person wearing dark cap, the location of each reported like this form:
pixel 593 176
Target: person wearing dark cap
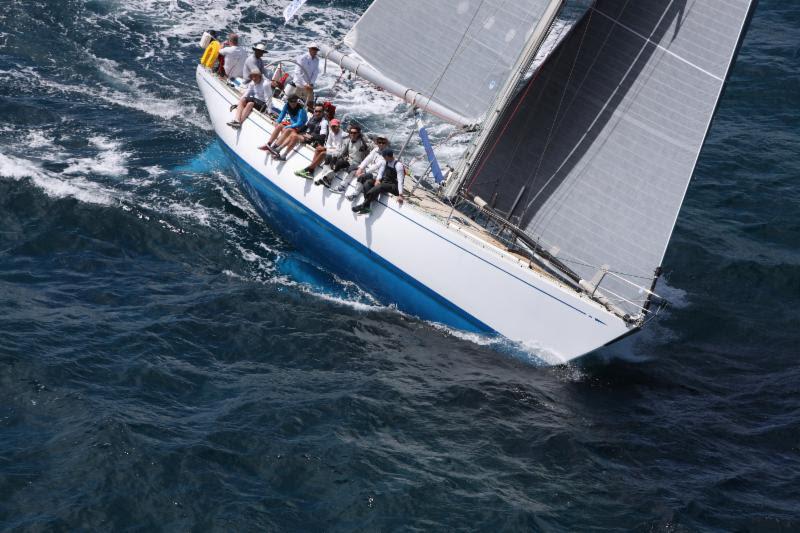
pixel 390 179
pixel 255 61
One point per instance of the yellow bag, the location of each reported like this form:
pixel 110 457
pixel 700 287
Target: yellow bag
pixel 210 55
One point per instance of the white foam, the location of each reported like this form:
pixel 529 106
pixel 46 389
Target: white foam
pixel 132 94
pixel 54 186
pixel 353 304
pixel 37 139
pixel 110 161
pixel 529 351
pixel 154 171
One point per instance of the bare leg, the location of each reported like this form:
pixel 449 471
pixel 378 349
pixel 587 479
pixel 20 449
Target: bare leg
pixel 291 142
pixel 239 110
pixel 246 112
pixel 283 140
pixel 278 129
pixel 319 156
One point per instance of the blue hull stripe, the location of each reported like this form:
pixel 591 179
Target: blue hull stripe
pixel 407 292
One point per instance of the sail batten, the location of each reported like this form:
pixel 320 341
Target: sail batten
pixel 603 141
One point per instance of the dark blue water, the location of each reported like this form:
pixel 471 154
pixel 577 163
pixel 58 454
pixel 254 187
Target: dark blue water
pixel 169 362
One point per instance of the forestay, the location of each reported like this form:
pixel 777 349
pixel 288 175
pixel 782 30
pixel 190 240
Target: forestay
pixel 458 53
pixel 594 156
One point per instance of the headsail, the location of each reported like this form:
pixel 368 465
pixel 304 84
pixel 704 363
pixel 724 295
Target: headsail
pixel 458 54
pixel 593 157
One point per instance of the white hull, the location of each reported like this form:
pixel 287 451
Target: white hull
pixel 481 280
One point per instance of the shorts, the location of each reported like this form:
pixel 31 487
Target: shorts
pixel 314 139
pixel 258 105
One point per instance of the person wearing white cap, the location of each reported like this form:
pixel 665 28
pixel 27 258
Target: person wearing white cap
pixel 305 75
pixel 255 62
pixel 256 96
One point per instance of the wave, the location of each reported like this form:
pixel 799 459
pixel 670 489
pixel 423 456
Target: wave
pixel 110 161
pixel 55 186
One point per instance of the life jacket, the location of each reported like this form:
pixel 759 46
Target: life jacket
pixel 314 125
pixel 390 173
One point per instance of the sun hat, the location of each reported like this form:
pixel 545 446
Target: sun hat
pixel 259 46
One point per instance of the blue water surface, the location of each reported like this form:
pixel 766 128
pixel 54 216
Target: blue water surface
pixel 169 360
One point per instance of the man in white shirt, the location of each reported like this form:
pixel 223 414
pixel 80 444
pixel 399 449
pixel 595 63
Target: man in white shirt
pixel 235 56
pixel 255 62
pixel 366 170
pixel 390 179
pixel 305 74
pixel 256 95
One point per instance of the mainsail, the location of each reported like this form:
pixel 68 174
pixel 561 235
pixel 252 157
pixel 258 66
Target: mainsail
pixel 454 56
pixel 593 157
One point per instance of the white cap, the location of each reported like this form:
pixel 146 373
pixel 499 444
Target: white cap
pixel 255 71
pixel 314 44
pixel 260 46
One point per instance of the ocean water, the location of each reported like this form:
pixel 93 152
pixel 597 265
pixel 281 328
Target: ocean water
pixel 169 362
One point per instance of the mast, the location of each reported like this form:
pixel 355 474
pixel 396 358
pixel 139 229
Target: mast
pixel 495 113
pixel 593 157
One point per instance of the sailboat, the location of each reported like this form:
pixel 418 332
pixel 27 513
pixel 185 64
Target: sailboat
pixel 552 228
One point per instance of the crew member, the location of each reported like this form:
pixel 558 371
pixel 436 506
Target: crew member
pixel 390 179
pixel 255 96
pixel 305 74
pixel 232 57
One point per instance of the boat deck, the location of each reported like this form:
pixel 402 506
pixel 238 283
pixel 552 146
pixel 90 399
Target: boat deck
pixel 430 204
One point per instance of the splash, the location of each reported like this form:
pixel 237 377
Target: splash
pixel 110 161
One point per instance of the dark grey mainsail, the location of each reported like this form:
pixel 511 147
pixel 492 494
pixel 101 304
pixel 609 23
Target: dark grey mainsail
pixel 457 53
pixel 593 157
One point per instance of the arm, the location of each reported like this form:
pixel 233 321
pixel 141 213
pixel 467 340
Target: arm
pixel 401 174
pixel 283 113
pixel 249 90
pixel 367 160
pixel 300 120
pixel 379 175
